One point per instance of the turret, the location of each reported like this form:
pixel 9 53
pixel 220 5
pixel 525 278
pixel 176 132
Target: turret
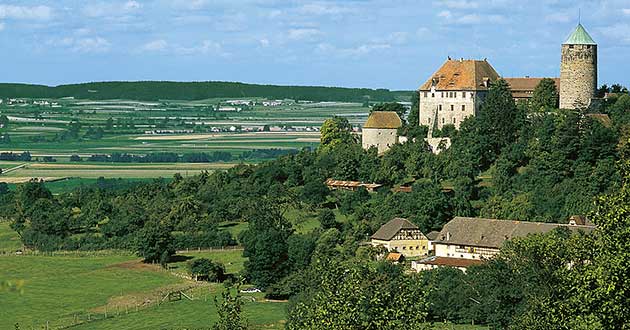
pixel 578 70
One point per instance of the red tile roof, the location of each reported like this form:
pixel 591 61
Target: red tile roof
pixel 457 75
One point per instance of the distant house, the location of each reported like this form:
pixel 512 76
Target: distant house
pixel 381 130
pixel 401 236
pixel 351 185
pixel 465 238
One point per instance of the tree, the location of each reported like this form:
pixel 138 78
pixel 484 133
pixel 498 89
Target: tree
pixel 205 268
pixel 230 310
pixel 265 244
pixel 355 295
pixel 154 242
pixel 499 120
pixel 327 219
pixel 545 96
pixel 336 131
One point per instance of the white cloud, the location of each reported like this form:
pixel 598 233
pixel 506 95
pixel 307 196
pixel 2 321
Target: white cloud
pixel 111 9
pixel 322 9
pixel 155 46
pixel 618 33
pixel 558 18
pixel 626 11
pixel 25 12
pixel 445 14
pixel 328 49
pixel 189 4
pixel 471 19
pixel 82 45
pixel 460 4
pixel 264 42
pixel 207 47
pixel 303 34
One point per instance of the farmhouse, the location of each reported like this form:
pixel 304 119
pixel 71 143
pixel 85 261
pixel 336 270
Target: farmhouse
pixel 381 130
pixel 401 236
pixel 480 239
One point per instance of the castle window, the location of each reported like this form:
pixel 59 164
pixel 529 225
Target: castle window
pixel 432 94
pixel 429 120
pixel 464 94
pixel 570 46
pixel 440 107
pixel 463 107
pixel 443 120
pixel 454 120
pixel 452 107
pixel 425 94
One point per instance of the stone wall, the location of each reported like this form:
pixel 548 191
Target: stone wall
pixel 455 107
pixel 382 138
pixel 578 76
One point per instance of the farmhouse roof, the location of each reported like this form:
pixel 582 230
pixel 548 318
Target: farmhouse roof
pixel 493 232
pixel 451 262
pixel 462 74
pixel 433 235
pixel 383 119
pixel 524 87
pixel 351 184
pixel 394 256
pixel 390 229
pixel 579 36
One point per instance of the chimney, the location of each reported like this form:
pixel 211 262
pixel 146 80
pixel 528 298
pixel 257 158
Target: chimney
pixel 448 235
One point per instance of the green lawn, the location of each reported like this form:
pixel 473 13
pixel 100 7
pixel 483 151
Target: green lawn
pixel 9 239
pixel 197 314
pixel 56 288
pixel 232 259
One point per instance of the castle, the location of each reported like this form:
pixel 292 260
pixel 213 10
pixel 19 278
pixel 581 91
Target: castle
pixel 459 87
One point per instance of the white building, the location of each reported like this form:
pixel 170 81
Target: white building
pixel 381 130
pixel 454 92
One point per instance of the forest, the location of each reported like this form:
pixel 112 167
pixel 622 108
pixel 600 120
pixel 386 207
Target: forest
pixel 170 90
pixel 525 161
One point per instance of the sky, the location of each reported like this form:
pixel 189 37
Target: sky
pixel 394 44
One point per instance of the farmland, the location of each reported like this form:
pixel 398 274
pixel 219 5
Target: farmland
pixel 62 135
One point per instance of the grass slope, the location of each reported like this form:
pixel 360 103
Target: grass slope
pixel 57 287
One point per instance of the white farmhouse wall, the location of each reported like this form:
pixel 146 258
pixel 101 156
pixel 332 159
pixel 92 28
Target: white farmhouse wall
pixel 382 138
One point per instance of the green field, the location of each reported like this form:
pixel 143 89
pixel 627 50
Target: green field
pixel 69 289
pixel 9 240
pixel 40 129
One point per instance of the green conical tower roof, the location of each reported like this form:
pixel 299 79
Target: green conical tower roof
pixel 579 37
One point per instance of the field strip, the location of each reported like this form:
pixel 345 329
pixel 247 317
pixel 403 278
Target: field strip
pixel 210 136
pixel 183 166
pixel 22 179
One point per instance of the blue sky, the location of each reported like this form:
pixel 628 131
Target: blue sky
pixel 393 44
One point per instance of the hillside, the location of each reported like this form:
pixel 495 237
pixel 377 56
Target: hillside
pixel 169 90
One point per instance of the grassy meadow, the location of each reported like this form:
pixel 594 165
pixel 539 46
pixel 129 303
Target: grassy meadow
pixel 79 289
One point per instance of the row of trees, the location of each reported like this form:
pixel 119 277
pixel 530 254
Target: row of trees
pixel 167 90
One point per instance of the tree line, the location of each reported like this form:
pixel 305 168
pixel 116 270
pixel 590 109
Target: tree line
pixel 170 90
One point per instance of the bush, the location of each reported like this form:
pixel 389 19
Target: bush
pixel 206 269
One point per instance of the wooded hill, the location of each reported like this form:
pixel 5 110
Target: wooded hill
pixel 170 90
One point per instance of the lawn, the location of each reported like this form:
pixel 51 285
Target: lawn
pixel 58 287
pixel 197 314
pixel 9 239
pixel 232 259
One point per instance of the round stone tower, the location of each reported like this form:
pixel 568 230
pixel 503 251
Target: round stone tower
pixel 578 70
